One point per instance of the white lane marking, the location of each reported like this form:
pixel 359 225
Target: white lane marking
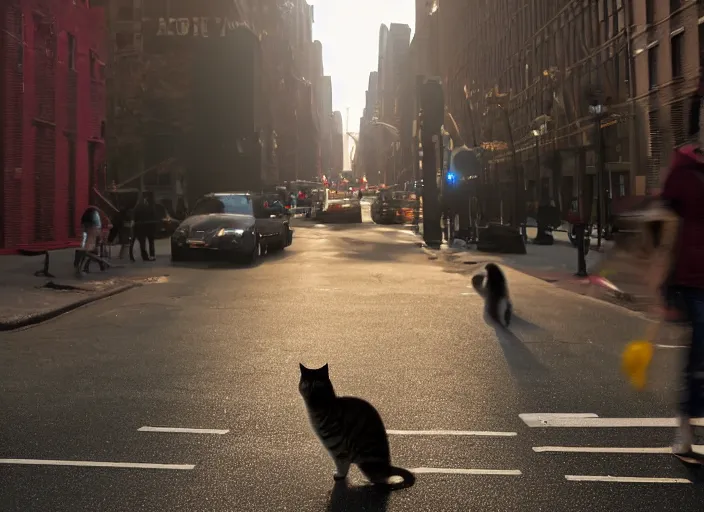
pixel 593 421
pixel 610 449
pixel 96 464
pixel 670 346
pixel 463 471
pixel 626 479
pixel 481 433
pixel 184 430
pixel 541 419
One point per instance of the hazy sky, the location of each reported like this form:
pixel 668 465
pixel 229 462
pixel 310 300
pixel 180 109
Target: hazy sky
pixel 349 31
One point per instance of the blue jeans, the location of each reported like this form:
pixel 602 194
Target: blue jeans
pixel 692 399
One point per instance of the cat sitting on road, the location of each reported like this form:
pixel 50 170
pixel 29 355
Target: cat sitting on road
pixel 494 288
pixel 350 429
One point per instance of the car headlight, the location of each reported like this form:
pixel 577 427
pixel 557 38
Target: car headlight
pixel 231 232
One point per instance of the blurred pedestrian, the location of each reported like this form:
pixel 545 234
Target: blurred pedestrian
pixel 683 193
pixel 90 232
pixel 121 230
pixel 144 229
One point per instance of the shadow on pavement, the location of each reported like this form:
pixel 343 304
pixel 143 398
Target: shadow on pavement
pixel 376 251
pixel 524 325
pixel 369 498
pixel 520 359
pixel 215 263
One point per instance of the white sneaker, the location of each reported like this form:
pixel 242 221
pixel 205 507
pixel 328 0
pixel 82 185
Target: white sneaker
pixel 683 437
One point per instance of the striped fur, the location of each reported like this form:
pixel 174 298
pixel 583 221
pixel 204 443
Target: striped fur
pixel 494 288
pixel 350 429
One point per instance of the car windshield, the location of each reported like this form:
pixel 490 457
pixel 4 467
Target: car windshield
pixel 235 204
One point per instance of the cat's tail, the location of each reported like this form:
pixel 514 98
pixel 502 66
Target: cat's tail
pixel 408 478
pixel 478 284
pixel 380 472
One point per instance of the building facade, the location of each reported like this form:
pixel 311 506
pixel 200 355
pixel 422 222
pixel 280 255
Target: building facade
pixel 386 125
pixel 52 119
pixel 337 144
pixel 325 105
pixel 523 80
pixel 667 43
pixel 274 123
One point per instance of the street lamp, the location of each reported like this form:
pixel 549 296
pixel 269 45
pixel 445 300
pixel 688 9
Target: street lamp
pixel 542 236
pixel 598 111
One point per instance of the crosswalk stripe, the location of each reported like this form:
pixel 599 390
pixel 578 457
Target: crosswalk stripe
pixel 179 430
pixel 479 433
pixel 96 464
pixel 609 449
pixel 464 471
pixel 626 479
pixel 594 421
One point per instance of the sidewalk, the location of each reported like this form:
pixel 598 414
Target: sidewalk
pixel 26 300
pixel 555 264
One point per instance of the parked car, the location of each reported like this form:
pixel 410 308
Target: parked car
pixel 342 209
pixel 234 224
pixel 394 207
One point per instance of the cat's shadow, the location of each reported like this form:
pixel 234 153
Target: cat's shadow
pixel 348 498
pixel 520 359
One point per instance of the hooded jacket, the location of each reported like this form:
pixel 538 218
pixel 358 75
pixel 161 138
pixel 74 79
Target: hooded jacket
pixel 684 193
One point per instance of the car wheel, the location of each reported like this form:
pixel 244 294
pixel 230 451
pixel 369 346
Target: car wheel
pixel 177 254
pixel 256 253
pixel 280 246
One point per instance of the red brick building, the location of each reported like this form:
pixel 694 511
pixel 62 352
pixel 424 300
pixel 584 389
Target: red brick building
pixel 52 111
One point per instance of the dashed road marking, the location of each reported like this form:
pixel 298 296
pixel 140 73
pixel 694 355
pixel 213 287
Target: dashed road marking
pixel 589 420
pixel 479 433
pixel 626 479
pixel 609 449
pixel 96 464
pixel 179 430
pixel 464 471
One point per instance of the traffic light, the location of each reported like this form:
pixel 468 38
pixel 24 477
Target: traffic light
pixel 451 178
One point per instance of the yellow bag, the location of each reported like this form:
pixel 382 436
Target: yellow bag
pixel 637 356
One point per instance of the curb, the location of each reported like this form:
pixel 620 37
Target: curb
pixel 37 318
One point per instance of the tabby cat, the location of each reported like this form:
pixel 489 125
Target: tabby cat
pixel 350 429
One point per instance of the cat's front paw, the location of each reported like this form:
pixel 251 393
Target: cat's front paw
pixel 338 477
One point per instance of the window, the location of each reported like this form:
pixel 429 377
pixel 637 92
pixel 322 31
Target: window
pixel 125 11
pixel 20 45
pixel 677 49
pixel 235 204
pixel 652 68
pixel 91 58
pixel 124 40
pixel 649 11
pixel 71 52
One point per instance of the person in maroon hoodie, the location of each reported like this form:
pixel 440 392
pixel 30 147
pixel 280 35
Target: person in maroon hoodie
pixel 683 192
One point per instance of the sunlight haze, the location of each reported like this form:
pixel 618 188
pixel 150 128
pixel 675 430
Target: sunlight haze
pixel 349 32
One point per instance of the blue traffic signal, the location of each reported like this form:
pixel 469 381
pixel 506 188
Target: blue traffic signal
pixel 451 177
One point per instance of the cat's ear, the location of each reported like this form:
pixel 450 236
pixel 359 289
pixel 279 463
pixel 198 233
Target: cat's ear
pixel 325 370
pixel 303 368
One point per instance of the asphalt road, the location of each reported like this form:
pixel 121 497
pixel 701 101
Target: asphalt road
pixel 216 347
